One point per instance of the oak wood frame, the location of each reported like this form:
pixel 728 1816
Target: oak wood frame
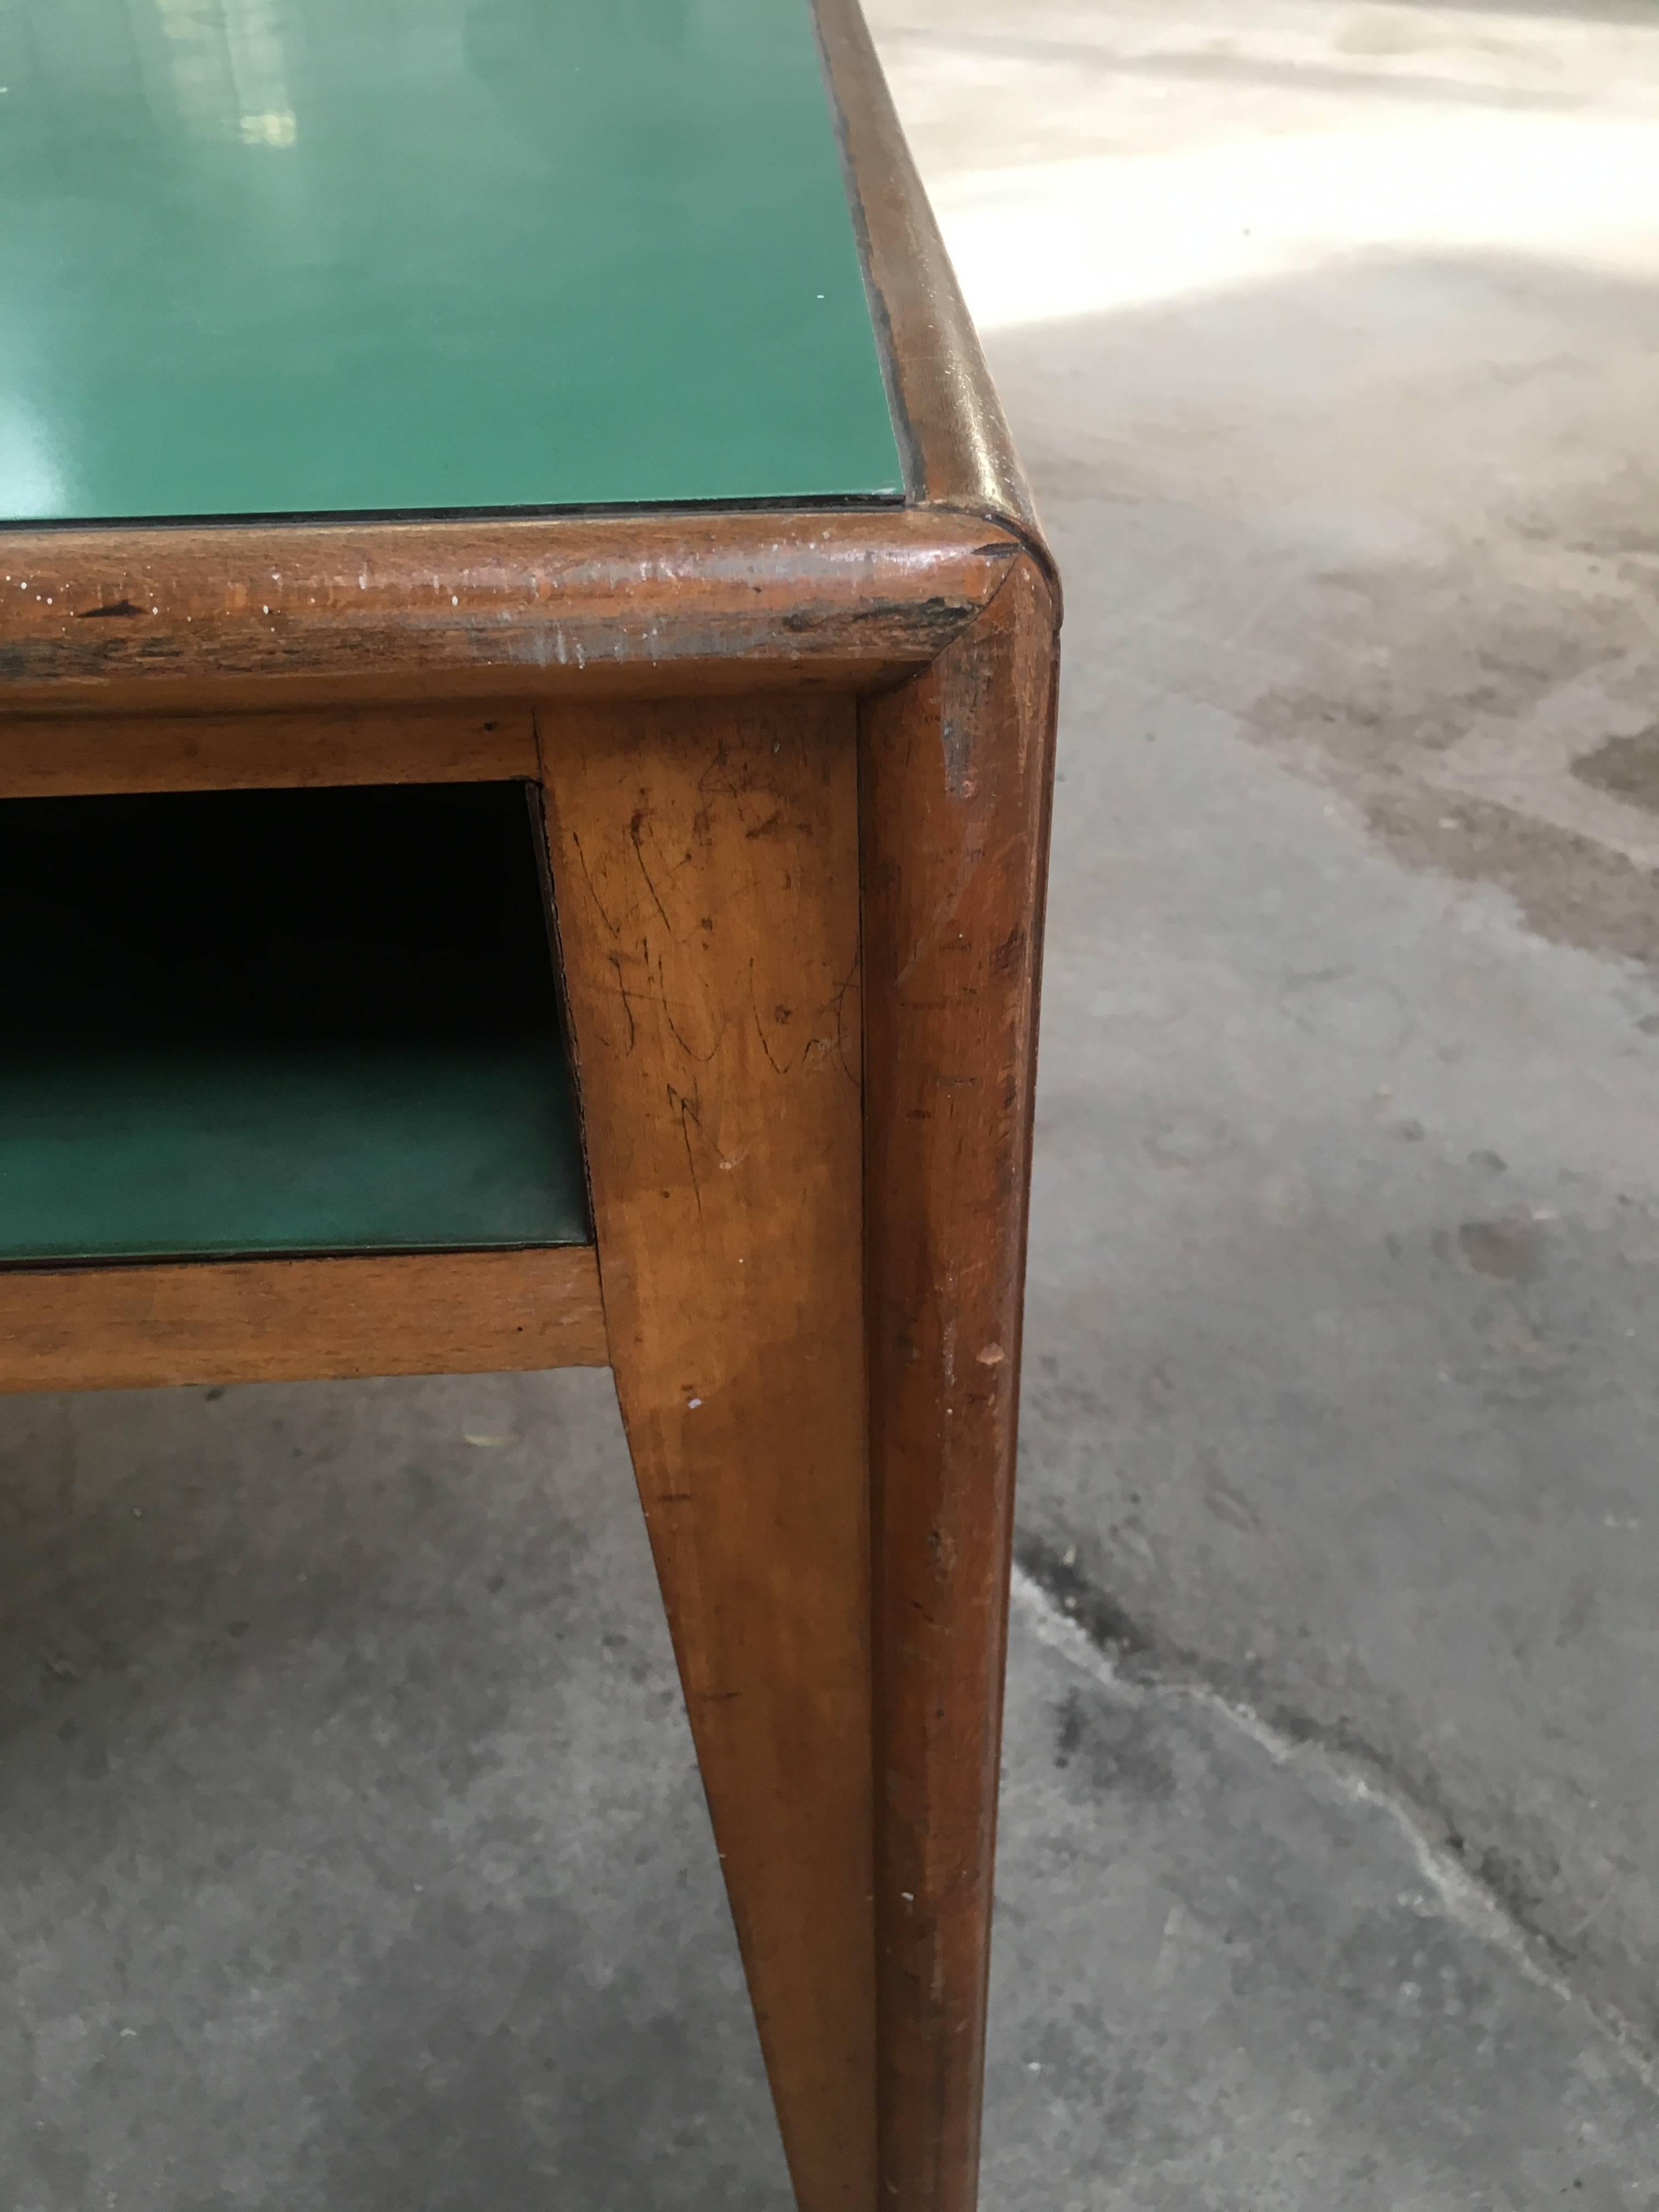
pixel 298 653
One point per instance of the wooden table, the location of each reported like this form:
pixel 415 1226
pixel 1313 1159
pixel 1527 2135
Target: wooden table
pixel 403 410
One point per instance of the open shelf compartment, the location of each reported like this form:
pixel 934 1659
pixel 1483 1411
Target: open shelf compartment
pixel 262 1023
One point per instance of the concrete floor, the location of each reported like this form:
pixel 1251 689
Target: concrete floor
pixel 1338 376
pixel 352 1856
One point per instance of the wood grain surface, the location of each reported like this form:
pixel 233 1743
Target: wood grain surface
pixel 705 857
pixel 47 758
pixel 291 1320
pixel 956 772
pixel 201 618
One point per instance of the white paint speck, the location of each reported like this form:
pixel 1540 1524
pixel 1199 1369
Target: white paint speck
pixel 694 1403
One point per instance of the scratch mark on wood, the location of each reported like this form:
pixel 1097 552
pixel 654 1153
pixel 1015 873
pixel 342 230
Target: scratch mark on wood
pixel 622 992
pixel 687 1117
pixel 702 1059
pixel 778 1066
pixel 582 862
pixel 636 822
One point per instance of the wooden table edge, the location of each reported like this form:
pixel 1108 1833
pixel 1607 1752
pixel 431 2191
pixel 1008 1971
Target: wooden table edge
pixel 213 616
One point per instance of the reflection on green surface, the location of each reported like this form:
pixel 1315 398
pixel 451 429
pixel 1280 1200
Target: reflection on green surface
pixel 228 71
pixel 303 256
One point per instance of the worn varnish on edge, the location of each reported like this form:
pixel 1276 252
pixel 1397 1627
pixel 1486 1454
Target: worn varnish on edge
pixel 172 620
pixel 957 772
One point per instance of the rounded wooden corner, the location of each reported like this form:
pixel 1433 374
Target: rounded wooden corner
pixel 958 450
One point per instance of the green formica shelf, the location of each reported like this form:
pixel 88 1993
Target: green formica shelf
pixel 361 256
pixel 279 1023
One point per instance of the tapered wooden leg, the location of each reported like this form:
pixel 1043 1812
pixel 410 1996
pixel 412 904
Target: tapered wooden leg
pixel 955 774
pixel 705 860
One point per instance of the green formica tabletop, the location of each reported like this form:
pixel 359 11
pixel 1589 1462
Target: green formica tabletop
pixel 355 257
pixel 398 257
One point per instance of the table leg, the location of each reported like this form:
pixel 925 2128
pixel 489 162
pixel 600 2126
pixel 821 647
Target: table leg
pixel 956 770
pixel 705 861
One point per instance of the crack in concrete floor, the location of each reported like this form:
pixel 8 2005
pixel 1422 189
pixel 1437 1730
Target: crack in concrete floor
pixel 1068 1615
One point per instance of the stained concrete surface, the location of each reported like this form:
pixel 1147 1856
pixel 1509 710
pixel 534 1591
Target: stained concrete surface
pixel 352 1852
